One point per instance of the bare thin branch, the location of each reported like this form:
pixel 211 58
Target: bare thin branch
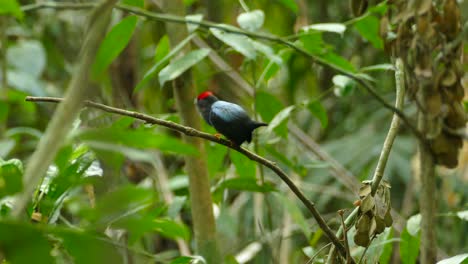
pixel 196 133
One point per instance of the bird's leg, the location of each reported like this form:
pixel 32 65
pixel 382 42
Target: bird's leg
pixel 218 135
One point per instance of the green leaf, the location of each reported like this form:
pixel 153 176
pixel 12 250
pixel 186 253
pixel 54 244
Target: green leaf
pixel 337 61
pixel 279 123
pixel 113 44
pixel 413 224
pixel 171 229
pixel 163 49
pixel 143 139
pixel 28 56
pixel 317 109
pixel 238 42
pixel 458 259
pixel 463 215
pixel 252 20
pixel 11 7
pixel 267 105
pixel 327 27
pixel 291 207
pixel 137 3
pixel 11 177
pixel 388 248
pixel 85 247
pixel 191 27
pixel 368 28
pixel 23 243
pixel 179 66
pixel 378 67
pixel 188 260
pixel 409 247
pixel 118 204
pixel 164 43
pixel 344 85
pixel 245 168
pixel 291 4
pixel 313 42
pixel 267 51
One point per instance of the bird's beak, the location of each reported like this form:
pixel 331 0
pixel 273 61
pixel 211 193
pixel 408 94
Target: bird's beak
pixel 195 101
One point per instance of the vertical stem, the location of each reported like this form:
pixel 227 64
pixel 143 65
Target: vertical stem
pixel 200 196
pixel 428 198
pixel 3 59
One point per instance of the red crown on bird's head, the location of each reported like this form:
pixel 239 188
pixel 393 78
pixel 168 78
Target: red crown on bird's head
pixel 204 95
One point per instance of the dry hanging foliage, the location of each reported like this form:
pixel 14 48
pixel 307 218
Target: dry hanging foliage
pixel 424 34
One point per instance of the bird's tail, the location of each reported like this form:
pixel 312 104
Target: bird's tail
pixel 258 124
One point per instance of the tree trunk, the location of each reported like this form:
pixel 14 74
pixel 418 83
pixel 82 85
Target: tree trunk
pixel 200 196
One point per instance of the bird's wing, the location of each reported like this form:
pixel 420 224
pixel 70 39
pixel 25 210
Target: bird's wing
pixel 228 112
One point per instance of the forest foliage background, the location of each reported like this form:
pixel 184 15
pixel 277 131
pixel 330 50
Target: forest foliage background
pixel 119 189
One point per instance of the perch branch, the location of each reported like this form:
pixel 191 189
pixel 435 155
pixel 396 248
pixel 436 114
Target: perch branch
pixel 235 30
pixel 195 133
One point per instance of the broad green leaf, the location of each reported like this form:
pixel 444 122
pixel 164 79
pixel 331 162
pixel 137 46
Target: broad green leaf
pixel 317 109
pixel 28 56
pixel 337 61
pixel 191 27
pixel 113 44
pixel 11 7
pixel 179 66
pixel 252 20
pixel 267 105
pixel 291 4
pixel 378 67
pixel 245 184
pixel 11 177
pixel 458 259
pixel 463 215
pixel 118 204
pixel 188 260
pixel 388 247
pixel 238 42
pixel 293 210
pixel 368 27
pixel 245 168
pixel 90 248
pixel 137 3
pixel 163 48
pixel 267 51
pixel 344 85
pixel 23 243
pixel 215 158
pixel 409 247
pixel 313 43
pixel 171 229
pixel 327 27
pixel 279 123
pixel 144 139
pixel 413 224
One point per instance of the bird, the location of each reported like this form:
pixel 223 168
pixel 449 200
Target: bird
pixel 227 118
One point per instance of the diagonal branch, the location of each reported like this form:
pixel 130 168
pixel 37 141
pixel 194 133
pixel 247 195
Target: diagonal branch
pixel 196 133
pixel 234 30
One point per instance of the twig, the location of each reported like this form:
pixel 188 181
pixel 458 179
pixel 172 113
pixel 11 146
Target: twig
pixel 392 132
pixel 67 112
pixel 311 260
pixel 345 237
pixel 234 30
pixel 195 133
pixel 365 250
